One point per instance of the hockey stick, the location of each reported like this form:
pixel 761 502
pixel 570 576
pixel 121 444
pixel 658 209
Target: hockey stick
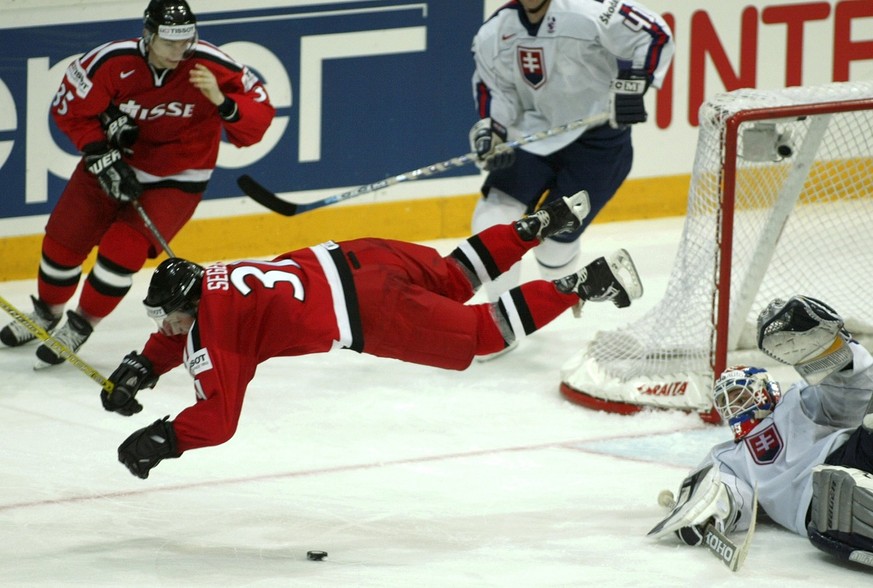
pixel 718 544
pixel 151 226
pixel 59 348
pixel 727 551
pixel 270 200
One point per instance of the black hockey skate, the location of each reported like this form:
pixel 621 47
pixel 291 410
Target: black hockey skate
pixel 72 335
pixel 16 334
pixel 560 216
pixel 612 278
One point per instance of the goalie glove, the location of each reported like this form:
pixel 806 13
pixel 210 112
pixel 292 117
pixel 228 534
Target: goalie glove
pixel 805 333
pixel 134 374
pixel 485 138
pixel 626 99
pixel 703 500
pixel 113 174
pixel 121 131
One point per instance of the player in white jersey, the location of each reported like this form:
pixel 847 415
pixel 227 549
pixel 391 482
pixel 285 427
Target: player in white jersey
pixel 809 451
pixel 545 63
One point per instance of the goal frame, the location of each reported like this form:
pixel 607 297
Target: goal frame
pixel 613 381
pixel 728 202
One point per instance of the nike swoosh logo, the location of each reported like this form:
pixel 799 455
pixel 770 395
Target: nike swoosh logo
pixel 126 74
pixel 507 37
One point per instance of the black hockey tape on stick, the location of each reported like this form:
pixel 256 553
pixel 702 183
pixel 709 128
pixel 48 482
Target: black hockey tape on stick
pixel 59 348
pixel 264 197
pixel 270 200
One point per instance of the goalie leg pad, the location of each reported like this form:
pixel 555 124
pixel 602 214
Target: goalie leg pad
pixel 841 521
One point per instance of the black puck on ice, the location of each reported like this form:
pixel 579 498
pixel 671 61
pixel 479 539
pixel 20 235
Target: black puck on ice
pixel 316 555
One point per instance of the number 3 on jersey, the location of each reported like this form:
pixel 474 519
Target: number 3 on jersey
pixel 268 278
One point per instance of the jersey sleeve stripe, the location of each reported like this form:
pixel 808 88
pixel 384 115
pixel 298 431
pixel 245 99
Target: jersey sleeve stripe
pixel 345 298
pixel 212 53
pixel 92 60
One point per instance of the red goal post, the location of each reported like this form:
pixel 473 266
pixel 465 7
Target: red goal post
pixel 780 203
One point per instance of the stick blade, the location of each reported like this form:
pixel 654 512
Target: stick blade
pixel 264 197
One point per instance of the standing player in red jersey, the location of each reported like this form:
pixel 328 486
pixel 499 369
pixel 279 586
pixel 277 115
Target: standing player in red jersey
pixel 224 320
pixel 148 115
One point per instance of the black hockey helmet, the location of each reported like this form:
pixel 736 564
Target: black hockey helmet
pixel 175 285
pixel 171 20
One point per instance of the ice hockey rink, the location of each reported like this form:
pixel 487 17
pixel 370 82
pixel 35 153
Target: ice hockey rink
pixel 404 475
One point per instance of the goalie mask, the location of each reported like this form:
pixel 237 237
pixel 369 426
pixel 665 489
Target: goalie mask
pixel 171 20
pixel 744 396
pixel 175 287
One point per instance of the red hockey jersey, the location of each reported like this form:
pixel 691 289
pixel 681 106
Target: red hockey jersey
pixel 289 306
pixel 180 128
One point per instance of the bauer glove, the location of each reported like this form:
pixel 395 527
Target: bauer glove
pixel 121 131
pixel 147 447
pixel 134 374
pixel 113 174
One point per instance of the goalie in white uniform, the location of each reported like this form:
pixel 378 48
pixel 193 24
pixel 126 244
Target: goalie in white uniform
pixel 545 63
pixel 809 450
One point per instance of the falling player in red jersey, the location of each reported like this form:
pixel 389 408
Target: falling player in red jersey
pixel 148 115
pixel 224 320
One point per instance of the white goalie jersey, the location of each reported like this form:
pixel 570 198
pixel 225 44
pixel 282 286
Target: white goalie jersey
pixel 779 454
pixel 534 77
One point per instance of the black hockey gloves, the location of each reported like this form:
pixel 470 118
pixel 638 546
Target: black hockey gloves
pixel 627 106
pixel 134 374
pixel 113 173
pixel 121 131
pixel 147 447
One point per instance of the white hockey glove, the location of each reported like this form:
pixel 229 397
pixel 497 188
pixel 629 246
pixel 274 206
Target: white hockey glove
pixel 485 138
pixel 626 105
pixel 703 500
pixel 805 333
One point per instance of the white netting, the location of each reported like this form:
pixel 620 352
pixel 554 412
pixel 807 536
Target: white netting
pixel 813 174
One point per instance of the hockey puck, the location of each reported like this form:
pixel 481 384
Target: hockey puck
pixel 316 555
pixel 666 499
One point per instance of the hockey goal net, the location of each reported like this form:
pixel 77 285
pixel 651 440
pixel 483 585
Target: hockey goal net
pixel 780 203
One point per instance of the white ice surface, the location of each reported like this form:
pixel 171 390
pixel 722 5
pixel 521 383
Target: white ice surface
pixel 405 475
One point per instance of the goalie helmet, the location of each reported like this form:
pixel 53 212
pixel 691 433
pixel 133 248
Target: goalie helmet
pixel 171 20
pixel 744 396
pixel 175 286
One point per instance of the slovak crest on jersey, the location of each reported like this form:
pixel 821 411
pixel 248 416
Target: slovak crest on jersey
pixel 765 446
pixel 532 63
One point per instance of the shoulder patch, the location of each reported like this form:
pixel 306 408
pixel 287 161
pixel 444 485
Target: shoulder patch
pixel 199 362
pixel 78 78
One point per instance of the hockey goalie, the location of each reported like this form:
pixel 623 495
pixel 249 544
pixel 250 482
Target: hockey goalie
pixel 805 456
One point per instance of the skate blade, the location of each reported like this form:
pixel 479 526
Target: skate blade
pixel 625 271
